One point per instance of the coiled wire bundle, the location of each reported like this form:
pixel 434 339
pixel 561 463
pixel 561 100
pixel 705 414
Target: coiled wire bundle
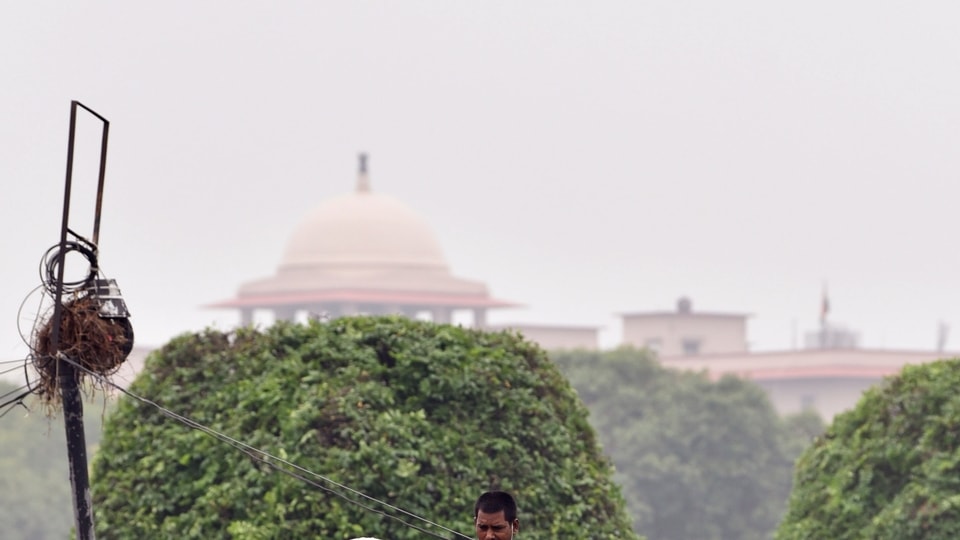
pixel 95 330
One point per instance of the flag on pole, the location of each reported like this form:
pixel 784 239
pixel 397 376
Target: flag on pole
pixel 824 306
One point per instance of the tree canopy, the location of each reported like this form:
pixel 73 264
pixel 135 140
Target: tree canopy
pixel 696 458
pixel 888 469
pixel 422 416
pixel 35 496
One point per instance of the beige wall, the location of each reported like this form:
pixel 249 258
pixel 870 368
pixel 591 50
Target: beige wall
pixel 557 337
pixel 827 396
pixel 678 334
pixel 827 381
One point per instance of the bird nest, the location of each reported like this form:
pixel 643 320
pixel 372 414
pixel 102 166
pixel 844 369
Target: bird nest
pixel 96 344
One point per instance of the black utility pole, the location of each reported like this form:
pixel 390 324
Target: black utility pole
pixel 76 451
pixel 68 376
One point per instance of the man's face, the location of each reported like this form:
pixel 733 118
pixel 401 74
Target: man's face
pixel 495 526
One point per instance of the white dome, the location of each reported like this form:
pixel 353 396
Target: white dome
pixel 363 230
pixel 361 244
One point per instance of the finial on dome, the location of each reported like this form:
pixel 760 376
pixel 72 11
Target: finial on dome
pixel 363 181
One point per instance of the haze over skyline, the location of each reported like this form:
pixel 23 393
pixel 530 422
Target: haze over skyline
pixel 583 160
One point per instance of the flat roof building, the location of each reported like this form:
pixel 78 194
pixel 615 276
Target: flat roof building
pixel 685 332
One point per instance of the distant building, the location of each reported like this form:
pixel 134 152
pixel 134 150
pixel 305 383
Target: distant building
pixel 831 336
pixel 827 381
pixel 684 332
pixel 363 253
pixel 368 253
pixel 828 376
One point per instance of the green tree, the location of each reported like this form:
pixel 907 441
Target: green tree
pixel 802 430
pixel 35 498
pixel 888 469
pixel 422 416
pixel 696 458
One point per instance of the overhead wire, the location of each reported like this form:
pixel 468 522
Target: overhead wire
pixel 26 339
pixel 14 368
pixel 15 403
pixel 15 390
pixel 272 461
pixel 14 361
pixel 16 400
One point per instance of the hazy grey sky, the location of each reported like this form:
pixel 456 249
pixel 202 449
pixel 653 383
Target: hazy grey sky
pixel 582 158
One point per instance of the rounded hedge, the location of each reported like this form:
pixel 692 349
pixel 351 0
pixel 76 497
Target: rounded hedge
pixel 422 416
pixel 889 468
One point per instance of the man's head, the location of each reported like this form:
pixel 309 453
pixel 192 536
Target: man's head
pixel 495 516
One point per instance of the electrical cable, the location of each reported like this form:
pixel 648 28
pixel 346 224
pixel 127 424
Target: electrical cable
pixel 14 391
pixel 18 360
pixel 16 400
pixel 25 339
pixel 14 368
pixel 271 460
pixel 15 403
pixel 53 258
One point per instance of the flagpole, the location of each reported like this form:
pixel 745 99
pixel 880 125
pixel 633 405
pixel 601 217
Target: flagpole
pixel 824 309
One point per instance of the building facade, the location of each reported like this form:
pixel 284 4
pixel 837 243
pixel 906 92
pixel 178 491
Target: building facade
pixel 828 376
pixel 684 332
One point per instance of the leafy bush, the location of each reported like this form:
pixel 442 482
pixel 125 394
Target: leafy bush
pixel 422 416
pixel 888 469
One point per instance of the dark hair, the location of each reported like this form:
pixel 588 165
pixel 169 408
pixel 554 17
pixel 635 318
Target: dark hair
pixel 492 502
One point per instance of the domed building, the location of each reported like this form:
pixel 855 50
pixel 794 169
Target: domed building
pixel 363 252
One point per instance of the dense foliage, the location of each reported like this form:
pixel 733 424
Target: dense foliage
pixel 696 458
pixel 423 416
pixel 889 468
pixel 35 498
